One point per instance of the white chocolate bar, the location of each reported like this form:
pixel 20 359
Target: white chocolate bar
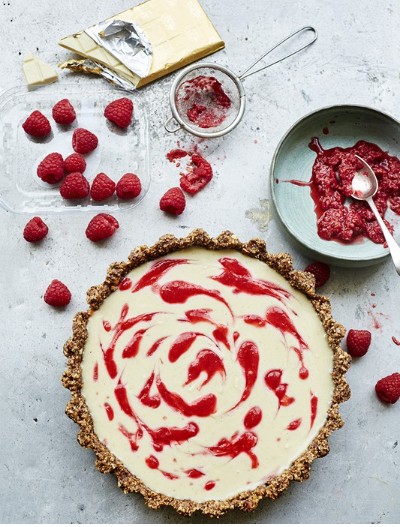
pixel 37 72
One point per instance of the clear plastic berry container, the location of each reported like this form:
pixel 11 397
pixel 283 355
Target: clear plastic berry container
pixel 119 151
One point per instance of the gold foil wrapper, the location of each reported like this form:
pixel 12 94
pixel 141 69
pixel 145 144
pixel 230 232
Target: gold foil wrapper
pixel 179 31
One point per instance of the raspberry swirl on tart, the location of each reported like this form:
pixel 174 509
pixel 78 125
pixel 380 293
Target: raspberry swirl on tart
pixel 206 373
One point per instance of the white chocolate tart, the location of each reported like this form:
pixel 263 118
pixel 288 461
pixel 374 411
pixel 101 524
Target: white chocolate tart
pixel 206 373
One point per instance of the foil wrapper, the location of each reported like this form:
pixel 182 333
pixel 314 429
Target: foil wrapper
pixel 90 66
pixel 125 40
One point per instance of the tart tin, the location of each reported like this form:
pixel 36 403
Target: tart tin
pixel 119 150
pixel 293 160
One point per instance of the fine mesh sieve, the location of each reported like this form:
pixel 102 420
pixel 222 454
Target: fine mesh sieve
pixel 208 100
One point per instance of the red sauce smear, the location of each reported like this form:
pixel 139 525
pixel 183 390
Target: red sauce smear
pixel 181 345
pixel 273 381
pixel 154 347
pixel 220 332
pixel 237 276
pixel 152 401
pixel 132 438
pixel 331 185
pixel 121 326
pixel 209 485
pixel 125 284
pixel 152 462
pixel 178 292
pixel 238 444
pixel 206 361
pixel 253 417
pixel 96 372
pixel 157 270
pixel 205 101
pixel 396 341
pixel 106 325
pixel 314 407
pixel 194 473
pixel 199 174
pixel 175 154
pixel 248 359
pixel 132 348
pixel 109 411
pixel 166 436
pixel 294 425
pixel 202 407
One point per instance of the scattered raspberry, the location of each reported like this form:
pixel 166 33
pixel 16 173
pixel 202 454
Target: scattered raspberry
pixel 388 388
pixel 63 112
pixel 74 163
pixel 120 112
pixel 37 125
pixel 199 174
pixel 84 141
pixel 57 294
pixel 101 226
pixel 75 186
pixel 51 169
pixel 321 271
pixel 173 201
pixel 102 187
pixel 35 230
pixel 129 186
pixel 358 342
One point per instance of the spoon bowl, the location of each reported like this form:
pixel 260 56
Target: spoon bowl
pixel 365 186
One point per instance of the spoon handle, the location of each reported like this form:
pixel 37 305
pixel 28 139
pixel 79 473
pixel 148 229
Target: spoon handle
pixel 393 247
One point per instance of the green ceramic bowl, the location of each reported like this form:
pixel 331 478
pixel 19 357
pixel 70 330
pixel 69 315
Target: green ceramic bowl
pixel 293 160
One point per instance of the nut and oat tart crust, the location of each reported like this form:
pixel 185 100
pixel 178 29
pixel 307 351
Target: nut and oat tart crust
pixel 78 410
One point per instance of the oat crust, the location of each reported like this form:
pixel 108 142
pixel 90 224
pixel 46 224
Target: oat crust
pixel 78 411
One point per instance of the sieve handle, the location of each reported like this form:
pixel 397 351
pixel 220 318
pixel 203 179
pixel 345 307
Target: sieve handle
pixel 172 130
pixel 247 73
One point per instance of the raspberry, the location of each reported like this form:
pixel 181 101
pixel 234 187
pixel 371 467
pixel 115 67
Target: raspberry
pixel 57 294
pixel 51 169
pixel 35 230
pixel 120 112
pixel 128 187
pixel 63 112
pixel 84 141
pixel 101 226
pixel 37 125
pixel 388 388
pixel 102 187
pixel 321 271
pixel 358 342
pixel 75 186
pixel 199 174
pixel 74 163
pixel 173 201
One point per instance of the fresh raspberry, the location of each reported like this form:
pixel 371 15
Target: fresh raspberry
pixel 35 230
pixel 388 388
pixel 120 112
pixel 63 112
pixel 51 169
pixel 101 226
pixel 74 163
pixel 84 141
pixel 128 187
pixel 37 125
pixel 102 187
pixel 57 294
pixel 173 201
pixel 75 186
pixel 358 342
pixel 321 271
pixel 199 174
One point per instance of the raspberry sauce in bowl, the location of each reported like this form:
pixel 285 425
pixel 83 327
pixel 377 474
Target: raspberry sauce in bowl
pixel 311 175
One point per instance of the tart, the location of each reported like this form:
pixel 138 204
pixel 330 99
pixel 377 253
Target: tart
pixel 206 374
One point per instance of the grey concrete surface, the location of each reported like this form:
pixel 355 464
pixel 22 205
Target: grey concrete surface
pixel 44 475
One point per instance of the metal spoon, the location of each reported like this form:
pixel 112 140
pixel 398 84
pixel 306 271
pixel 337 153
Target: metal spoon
pixel 365 186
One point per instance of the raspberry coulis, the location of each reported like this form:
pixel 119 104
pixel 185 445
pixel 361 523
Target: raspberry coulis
pixel 340 217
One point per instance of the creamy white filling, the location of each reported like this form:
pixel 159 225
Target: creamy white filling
pixel 274 446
